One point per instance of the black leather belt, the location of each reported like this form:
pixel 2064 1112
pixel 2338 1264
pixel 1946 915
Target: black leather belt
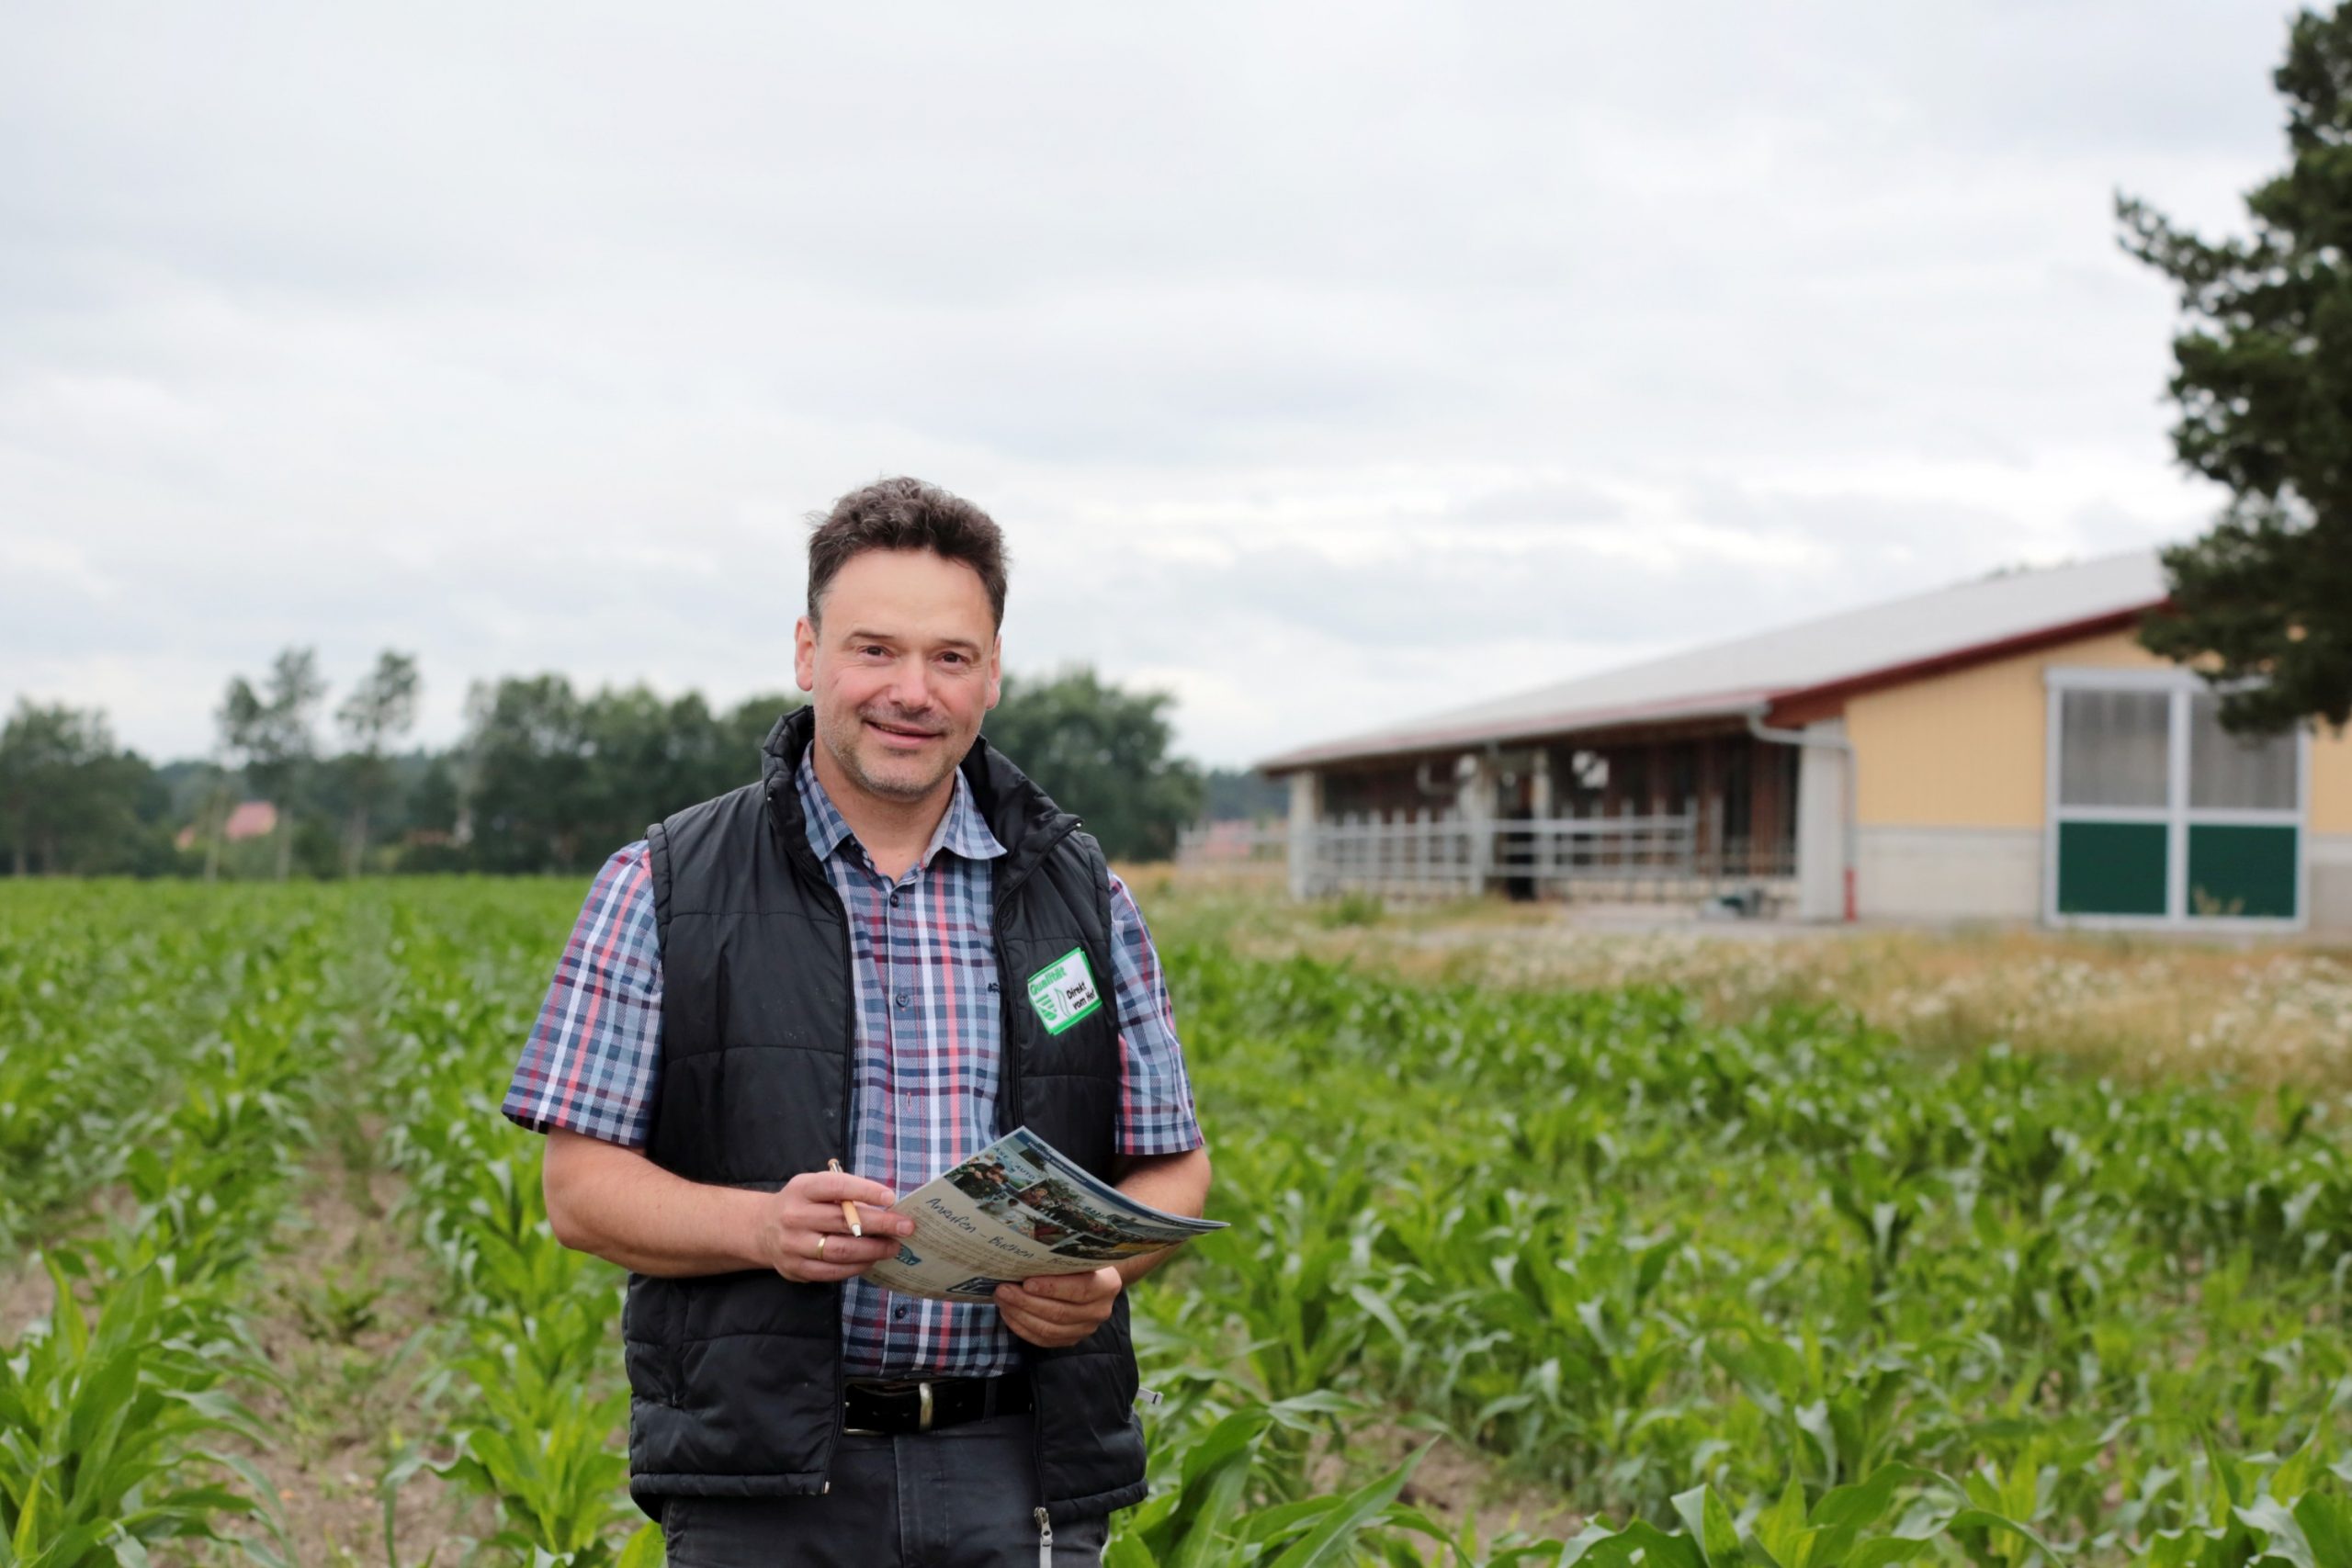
pixel 872 1409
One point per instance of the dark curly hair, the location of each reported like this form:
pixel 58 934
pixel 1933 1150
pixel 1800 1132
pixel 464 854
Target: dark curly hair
pixel 905 514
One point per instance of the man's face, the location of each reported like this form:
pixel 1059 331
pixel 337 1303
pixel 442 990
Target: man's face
pixel 900 668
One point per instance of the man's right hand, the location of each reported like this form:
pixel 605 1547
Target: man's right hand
pixel 616 1203
pixel 799 1231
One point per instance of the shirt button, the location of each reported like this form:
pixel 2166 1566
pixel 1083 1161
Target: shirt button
pixel 894 901
pixel 900 1311
pixel 906 999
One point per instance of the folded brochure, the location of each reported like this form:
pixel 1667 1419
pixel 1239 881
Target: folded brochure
pixel 1017 1209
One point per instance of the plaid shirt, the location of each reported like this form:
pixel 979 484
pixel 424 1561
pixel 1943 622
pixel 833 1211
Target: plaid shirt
pixel 929 1035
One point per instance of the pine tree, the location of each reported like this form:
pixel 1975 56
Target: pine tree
pixel 2264 384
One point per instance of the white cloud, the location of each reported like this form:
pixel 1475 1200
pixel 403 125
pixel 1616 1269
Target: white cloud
pixel 1324 363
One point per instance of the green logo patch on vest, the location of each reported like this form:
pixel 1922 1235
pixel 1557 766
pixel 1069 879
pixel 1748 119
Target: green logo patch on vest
pixel 1063 991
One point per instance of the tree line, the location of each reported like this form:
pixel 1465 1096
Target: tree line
pixel 547 778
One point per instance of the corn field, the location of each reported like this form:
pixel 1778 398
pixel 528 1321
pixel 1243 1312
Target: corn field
pixel 1783 1292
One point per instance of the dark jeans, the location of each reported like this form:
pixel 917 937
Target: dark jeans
pixel 962 1497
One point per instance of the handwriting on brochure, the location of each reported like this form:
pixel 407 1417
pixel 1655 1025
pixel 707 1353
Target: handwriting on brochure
pixel 1018 1209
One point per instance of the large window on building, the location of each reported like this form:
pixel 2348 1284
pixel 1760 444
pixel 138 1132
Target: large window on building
pixel 2157 813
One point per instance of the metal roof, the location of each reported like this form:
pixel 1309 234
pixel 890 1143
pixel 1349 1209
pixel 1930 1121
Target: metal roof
pixel 1740 676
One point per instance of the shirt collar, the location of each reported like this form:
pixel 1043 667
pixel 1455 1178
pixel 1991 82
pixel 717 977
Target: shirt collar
pixel 960 829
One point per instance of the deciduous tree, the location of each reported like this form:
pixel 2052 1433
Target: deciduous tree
pixel 271 736
pixel 1102 752
pixel 67 795
pixel 381 707
pixel 528 794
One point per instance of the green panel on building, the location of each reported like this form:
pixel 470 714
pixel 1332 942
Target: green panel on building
pixel 2111 868
pixel 2243 871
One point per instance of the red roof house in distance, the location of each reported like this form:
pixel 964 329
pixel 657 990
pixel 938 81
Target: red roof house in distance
pixel 249 819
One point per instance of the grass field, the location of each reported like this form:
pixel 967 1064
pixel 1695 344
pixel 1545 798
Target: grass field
pixel 1546 1247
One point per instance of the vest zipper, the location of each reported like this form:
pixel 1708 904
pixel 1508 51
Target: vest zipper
pixel 1044 1538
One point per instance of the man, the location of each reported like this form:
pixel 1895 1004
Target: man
pixel 834 963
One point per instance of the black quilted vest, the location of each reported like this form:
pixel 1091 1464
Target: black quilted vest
pixel 735 1379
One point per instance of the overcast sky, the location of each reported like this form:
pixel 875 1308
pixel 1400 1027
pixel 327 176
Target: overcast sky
pixel 1325 363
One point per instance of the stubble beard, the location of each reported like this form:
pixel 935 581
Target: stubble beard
pixel 845 737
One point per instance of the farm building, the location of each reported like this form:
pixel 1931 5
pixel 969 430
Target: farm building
pixel 2002 749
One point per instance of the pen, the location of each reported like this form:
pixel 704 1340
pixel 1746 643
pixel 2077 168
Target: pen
pixel 849 1210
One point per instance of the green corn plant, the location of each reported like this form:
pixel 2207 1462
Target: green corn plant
pixel 536 1385
pixel 1569 1226
pixel 1899 1513
pixel 560 1488
pixel 81 1024
pixel 1292 1287
pixel 490 1223
pixel 1207 1518
pixel 103 1428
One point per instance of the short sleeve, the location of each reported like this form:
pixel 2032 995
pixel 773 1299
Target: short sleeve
pixel 1155 1096
pixel 592 1060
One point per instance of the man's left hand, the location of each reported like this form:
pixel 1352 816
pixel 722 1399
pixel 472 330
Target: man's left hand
pixel 1054 1310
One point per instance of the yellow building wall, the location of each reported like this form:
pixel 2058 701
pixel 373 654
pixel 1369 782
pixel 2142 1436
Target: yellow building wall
pixel 2332 783
pixel 1966 750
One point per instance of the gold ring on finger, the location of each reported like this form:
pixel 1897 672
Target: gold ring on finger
pixel 821 1246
